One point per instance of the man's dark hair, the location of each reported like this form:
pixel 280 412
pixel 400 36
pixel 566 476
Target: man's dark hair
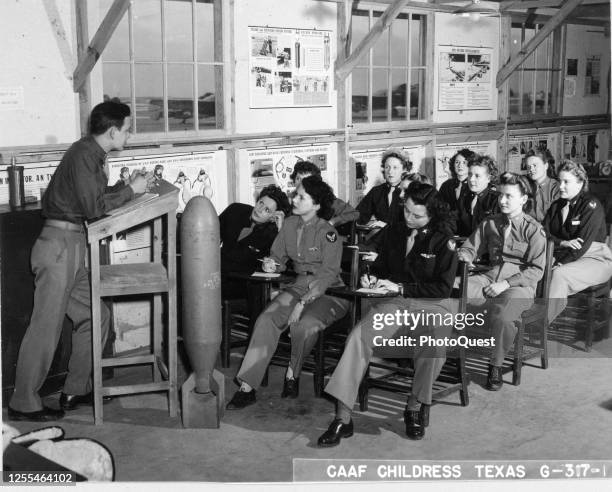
pixel 305 167
pixel 106 115
pixel 279 197
pixel 321 194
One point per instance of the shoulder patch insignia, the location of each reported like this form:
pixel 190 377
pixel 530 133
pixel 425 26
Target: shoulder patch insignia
pixel 592 204
pixel 331 236
pixel 451 244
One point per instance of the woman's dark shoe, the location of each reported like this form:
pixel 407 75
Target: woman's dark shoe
pixel 291 388
pixel 494 379
pixel 241 399
pixel 70 402
pixel 45 415
pixel 414 424
pixel 336 431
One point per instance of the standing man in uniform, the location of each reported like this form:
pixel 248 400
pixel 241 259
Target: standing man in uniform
pixel 77 192
pixel 312 243
pixel 545 189
pixel 516 245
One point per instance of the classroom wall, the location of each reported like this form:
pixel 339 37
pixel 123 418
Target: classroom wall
pixel 584 42
pixel 38 57
pixel 300 14
pixel 460 31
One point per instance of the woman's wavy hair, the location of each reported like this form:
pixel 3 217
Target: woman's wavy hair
pixel 321 194
pixel 305 167
pixel 398 154
pixel 524 186
pixel 467 154
pixel 440 217
pixel 577 170
pixel 487 162
pixel 546 157
pixel 280 198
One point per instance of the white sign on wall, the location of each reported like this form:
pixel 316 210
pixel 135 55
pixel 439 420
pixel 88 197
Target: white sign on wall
pixel 289 67
pixel 464 78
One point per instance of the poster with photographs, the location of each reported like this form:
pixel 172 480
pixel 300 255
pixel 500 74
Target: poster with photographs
pixel 36 178
pixel 193 174
pixel 464 78
pixel 445 152
pixel 289 67
pixel 580 147
pixel 368 168
pixel 275 165
pixel 519 145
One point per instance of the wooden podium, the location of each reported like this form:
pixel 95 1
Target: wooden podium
pixel 157 278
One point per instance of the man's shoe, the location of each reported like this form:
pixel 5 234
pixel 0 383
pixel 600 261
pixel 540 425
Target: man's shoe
pixel 291 388
pixel 414 424
pixel 241 399
pixel 45 415
pixel 70 402
pixel 336 431
pixel 494 380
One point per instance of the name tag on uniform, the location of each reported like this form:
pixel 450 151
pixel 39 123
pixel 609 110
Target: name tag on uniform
pixel 576 222
pixel 425 255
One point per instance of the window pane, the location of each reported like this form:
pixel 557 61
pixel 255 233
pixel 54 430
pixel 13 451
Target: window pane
pixel 543 94
pixel 399 41
pixel 180 97
pixel 147 30
pixel 206 96
pixel 379 95
pixel 360 94
pixel 206 31
pixel 514 92
pixel 398 94
pixel 118 47
pixel 149 98
pixel 515 44
pixel 179 41
pixel 359 30
pixel 116 81
pixel 417 29
pixel 380 50
pixel 417 94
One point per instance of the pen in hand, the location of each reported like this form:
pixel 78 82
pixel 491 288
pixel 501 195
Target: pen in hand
pixel 277 264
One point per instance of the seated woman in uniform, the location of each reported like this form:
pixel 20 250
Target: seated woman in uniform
pixel 247 233
pixel 516 247
pixel 481 200
pixel 577 224
pixel 343 213
pixel 545 189
pixel 453 189
pixel 419 261
pixel 381 205
pixel 312 243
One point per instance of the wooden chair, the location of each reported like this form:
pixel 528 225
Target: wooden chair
pixel 597 306
pixel 453 376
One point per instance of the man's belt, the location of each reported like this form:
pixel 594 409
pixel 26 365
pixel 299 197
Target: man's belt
pixel 65 225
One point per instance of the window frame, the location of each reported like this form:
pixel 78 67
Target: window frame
pixel 425 90
pixel 553 75
pixel 219 64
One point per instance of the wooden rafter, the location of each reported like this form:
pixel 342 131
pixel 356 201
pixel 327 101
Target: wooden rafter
pixel 554 22
pixel 99 42
pixel 383 22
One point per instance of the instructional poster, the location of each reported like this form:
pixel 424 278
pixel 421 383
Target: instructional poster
pixel 464 78
pixel 36 178
pixel 368 168
pixel 519 145
pixel 193 174
pixel 444 153
pixel 289 67
pixel 580 147
pixel 275 165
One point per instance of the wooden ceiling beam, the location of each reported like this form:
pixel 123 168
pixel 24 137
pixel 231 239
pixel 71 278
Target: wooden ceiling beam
pixel 99 41
pixel 554 22
pixel 343 69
